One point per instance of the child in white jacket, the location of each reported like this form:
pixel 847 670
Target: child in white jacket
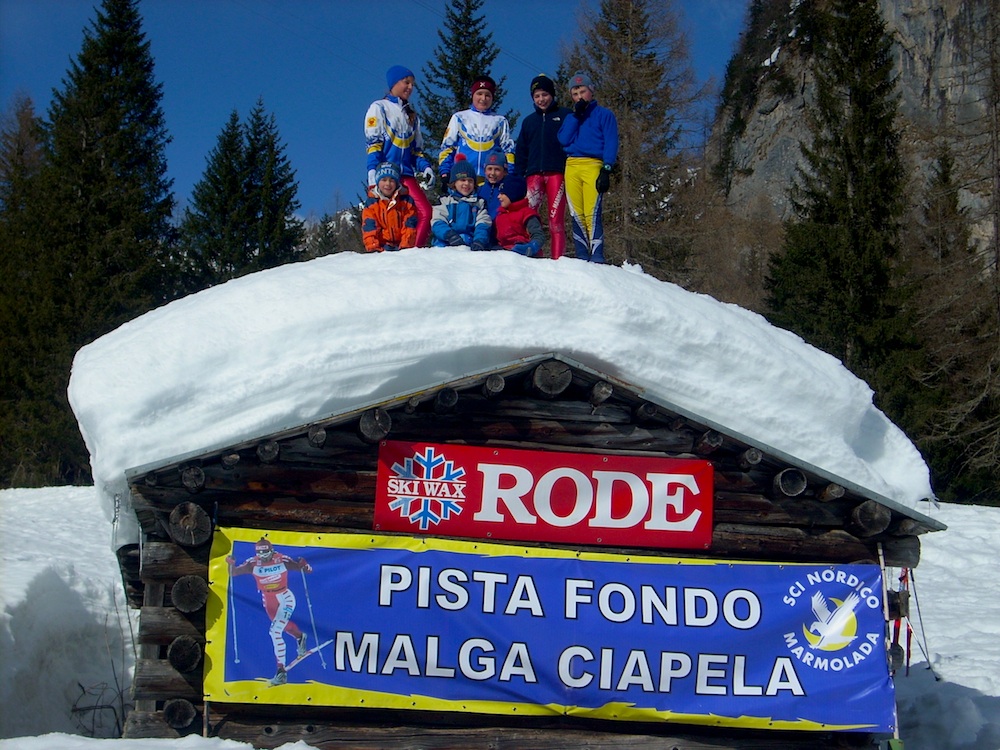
pixel 475 132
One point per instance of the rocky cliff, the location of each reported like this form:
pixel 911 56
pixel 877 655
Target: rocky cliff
pixel 939 48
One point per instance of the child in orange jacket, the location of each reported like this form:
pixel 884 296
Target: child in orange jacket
pixel 389 218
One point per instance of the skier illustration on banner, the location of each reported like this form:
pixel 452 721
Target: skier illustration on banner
pixel 270 571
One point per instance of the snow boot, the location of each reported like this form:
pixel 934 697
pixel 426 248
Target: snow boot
pixel 597 254
pixel 280 677
pixel 301 643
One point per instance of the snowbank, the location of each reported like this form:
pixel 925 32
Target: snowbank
pixel 280 348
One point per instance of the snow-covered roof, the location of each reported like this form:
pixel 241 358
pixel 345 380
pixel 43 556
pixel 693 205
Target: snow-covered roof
pixel 292 345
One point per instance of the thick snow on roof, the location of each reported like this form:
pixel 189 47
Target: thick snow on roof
pixel 284 347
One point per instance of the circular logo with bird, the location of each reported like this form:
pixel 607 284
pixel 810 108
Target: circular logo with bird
pixel 835 627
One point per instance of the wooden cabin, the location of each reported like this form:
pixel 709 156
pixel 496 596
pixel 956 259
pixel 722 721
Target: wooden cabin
pixel 321 478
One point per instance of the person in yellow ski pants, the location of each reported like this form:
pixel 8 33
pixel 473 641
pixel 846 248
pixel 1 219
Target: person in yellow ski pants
pixel 590 139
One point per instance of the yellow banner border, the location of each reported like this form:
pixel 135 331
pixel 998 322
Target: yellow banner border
pixel 216 689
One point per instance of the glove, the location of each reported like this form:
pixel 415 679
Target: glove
pixel 371 179
pixel 528 249
pixel 580 109
pixel 603 183
pixel 453 238
pixel 477 246
pixel 390 248
pixel 306 567
pixel 429 177
pixel 444 178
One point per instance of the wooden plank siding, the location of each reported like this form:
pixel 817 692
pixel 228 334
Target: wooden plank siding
pixel 321 477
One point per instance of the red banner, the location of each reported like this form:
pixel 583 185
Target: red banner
pixel 542 496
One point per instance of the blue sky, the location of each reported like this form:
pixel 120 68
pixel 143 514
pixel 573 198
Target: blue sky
pixel 318 64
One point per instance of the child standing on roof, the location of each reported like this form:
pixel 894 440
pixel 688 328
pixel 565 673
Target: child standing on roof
pixel 392 134
pixel 474 132
pixel 590 138
pixel 389 218
pixel 518 227
pixel 461 217
pixel 540 158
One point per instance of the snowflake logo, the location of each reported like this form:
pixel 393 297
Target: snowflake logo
pixel 431 489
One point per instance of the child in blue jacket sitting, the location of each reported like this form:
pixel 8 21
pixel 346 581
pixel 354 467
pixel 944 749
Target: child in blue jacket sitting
pixel 489 191
pixel 461 217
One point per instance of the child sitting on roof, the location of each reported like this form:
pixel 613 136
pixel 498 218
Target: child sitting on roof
pixel 489 191
pixel 389 218
pixel 461 217
pixel 518 226
pixel 495 170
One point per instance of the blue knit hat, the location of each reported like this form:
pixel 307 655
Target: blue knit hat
pixel 395 74
pixel 514 187
pixel 581 79
pixel 461 168
pixel 386 169
pixel 495 158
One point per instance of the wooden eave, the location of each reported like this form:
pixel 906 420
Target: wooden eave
pixel 623 391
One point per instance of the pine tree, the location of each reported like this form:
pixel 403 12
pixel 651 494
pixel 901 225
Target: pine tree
pixel 953 311
pixel 959 271
pixel 321 237
pixel 637 56
pixel 835 282
pixel 465 50
pixel 20 163
pixel 241 218
pixel 101 224
pixel 106 170
pixel 20 156
pixel 213 241
pixel 271 191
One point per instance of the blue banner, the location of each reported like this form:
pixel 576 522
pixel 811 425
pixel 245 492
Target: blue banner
pixel 431 624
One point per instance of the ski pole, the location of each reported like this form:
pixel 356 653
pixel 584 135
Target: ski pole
pixel 923 631
pixel 232 610
pixel 305 588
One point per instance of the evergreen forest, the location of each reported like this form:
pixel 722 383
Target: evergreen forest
pixel 881 260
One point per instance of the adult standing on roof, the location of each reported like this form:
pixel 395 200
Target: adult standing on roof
pixel 392 132
pixel 590 138
pixel 540 158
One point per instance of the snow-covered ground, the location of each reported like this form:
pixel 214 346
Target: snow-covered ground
pixel 305 341
pixel 64 641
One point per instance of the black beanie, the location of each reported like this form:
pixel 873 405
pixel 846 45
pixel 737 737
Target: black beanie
pixel 514 187
pixel 544 83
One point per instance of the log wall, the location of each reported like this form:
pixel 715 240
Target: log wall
pixel 321 477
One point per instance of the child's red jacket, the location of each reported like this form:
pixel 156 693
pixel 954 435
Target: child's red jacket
pixel 514 225
pixel 389 221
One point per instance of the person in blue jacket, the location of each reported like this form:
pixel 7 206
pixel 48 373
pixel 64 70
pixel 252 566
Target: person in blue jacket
pixel 590 138
pixel 461 217
pixel 489 191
